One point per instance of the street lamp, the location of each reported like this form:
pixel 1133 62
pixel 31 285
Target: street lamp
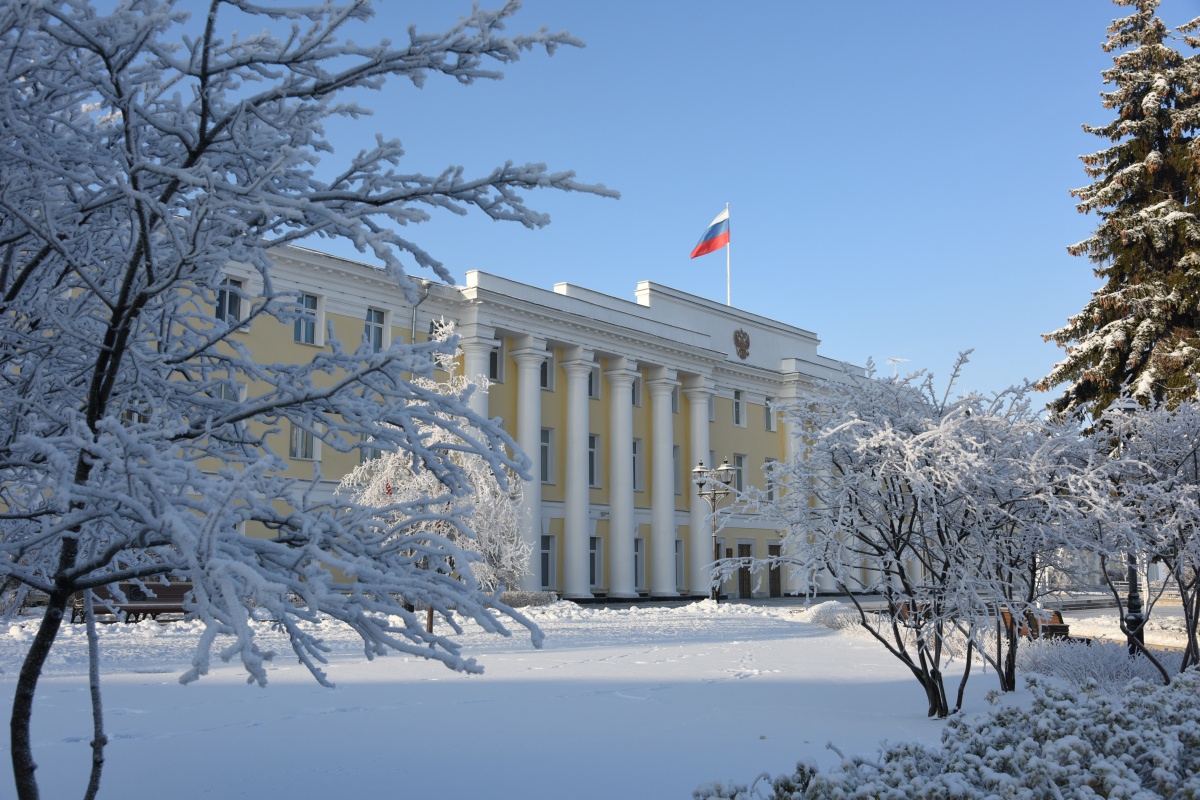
pixel 1135 619
pixel 713 486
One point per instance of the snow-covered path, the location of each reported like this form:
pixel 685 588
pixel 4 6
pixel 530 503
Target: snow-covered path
pixel 634 703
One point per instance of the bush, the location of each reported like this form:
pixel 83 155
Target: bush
pixel 1106 663
pixel 1142 742
pixel 520 599
pixel 831 614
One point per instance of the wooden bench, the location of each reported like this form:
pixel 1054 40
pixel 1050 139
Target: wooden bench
pixel 139 604
pixel 1045 623
pixel 913 612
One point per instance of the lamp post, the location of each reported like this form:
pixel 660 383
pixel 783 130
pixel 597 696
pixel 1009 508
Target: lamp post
pixel 713 486
pixel 1135 619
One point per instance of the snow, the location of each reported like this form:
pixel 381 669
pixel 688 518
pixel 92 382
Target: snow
pixel 636 702
pixel 640 702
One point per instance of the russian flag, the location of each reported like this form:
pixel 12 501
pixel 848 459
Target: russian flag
pixel 716 237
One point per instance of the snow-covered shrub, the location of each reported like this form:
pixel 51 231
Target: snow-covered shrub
pixel 1106 663
pixel 523 599
pixel 831 614
pixel 1143 742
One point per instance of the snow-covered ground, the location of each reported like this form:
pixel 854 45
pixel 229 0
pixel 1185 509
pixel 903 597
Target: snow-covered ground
pixel 642 702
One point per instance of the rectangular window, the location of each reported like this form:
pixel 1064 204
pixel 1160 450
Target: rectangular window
pixel 549 560
pixel 366 454
pixel 228 390
pixel 496 364
pixel 594 383
pixel 135 417
pixel 305 327
pixel 637 465
pixel 593 460
pixel 639 564
pixel 674 399
pixel 547 373
pixel 739 415
pixel 769 419
pixel 303 444
pixel 229 301
pixel 373 329
pixel 546 456
pixel 739 473
pixel 595 562
pixel 770 479
pixel 636 392
pixel 680 582
pixel 677 468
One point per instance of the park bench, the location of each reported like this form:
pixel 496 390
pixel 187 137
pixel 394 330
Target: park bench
pixel 138 604
pixel 1044 623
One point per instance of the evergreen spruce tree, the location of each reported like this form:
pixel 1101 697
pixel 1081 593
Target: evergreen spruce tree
pixel 1140 333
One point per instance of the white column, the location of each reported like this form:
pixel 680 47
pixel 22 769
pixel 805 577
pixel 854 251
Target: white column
pixel 662 488
pixel 476 350
pixel 578 365
pixel 824 581
pixel 622 529
pixel 701 544
pixel 529 358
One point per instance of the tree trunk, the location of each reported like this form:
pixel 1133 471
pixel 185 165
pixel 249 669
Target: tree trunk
pixel 99 739
pixel 962 685
pixel 22 708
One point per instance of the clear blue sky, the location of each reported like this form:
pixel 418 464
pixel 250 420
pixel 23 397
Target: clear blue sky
pixel 898 173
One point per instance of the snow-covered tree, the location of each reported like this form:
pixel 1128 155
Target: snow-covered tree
pixel 140 155
pixel 486 522
pixel 945 508
pixel 1140 332
pixel 1152 504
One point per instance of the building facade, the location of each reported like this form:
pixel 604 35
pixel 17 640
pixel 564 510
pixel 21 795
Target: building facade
pixel 614 401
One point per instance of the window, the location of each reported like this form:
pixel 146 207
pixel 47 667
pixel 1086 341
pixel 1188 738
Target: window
pixel 594 383
pixel 593 460
pixel 303 444
pixel 549 560
pixel 769 415
pixel 680 583
pixel 674 399
pixel 546 456
pixel 739 413
pixel 637 465
pixel 547 374
pixel 496 364
pixel 677 468
pixel 229 301
pixel 135 417
pixel 636 391
pixel 305 327
pixel 366 454
pixel 769 479
pixel 373 329
pixel 595 562
pixel 639 564
pixel 739 473
pixel 227 390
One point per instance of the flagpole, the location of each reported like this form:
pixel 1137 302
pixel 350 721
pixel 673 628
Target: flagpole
pixel 728 284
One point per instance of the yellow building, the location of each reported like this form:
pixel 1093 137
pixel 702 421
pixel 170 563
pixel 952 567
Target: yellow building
pixel 615 402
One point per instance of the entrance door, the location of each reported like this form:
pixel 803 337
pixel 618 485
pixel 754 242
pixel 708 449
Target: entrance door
pixel 774 577
pixel 744 572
